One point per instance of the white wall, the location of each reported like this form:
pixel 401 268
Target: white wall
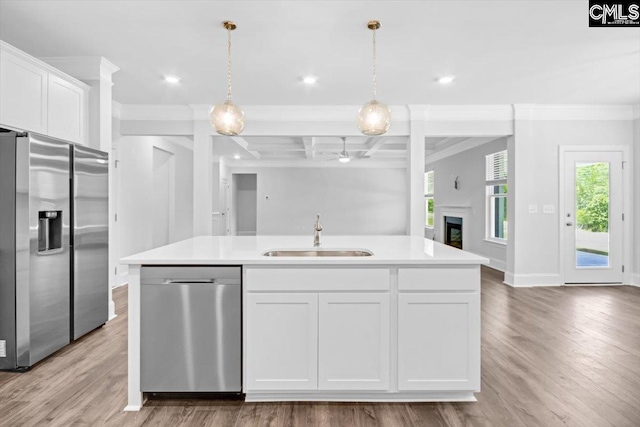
pixel 352 201
pixel 636 196
pixel 135 201
pixel 162 197
pixel 469 167
pixel 535 159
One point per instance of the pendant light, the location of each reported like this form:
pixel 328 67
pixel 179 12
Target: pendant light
pixel 227 118
pixel 374 118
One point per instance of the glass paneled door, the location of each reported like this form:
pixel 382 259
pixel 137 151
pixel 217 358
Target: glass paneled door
pixel 592 217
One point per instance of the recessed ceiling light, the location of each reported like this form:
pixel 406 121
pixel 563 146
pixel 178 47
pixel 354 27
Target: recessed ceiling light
pixel 172 79
pixel 309 80
pixel 237 156
pixel 444 80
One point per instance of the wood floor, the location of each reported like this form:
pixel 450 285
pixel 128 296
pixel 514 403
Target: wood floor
pixel 550 357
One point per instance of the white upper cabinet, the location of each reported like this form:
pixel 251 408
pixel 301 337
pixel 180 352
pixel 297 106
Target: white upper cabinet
pixel 66 110
pixel 23 94
pixel 36 97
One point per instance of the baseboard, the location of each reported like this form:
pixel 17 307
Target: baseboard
pixel 122 278
pixel 494 263
pixel 497 264
pixel 444 396
pixel 635 279
pixel 531 280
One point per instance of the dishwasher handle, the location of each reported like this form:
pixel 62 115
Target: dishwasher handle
pixel 186 281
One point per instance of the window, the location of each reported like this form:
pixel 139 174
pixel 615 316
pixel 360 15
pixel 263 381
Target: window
pixel 497 196
pixel 428 199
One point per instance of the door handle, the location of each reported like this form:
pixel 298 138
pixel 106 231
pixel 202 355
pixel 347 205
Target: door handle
pixel 569 224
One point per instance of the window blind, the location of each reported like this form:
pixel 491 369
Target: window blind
pixel 497 168
pixel 428 183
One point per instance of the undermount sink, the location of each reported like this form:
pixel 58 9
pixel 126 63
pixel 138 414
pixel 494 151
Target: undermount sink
pixel 318 252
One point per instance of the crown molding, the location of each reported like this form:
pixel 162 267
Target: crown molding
pixel 84 67
pixel 468 144
pixel 573 112
pixel 6 47
pixel 400 113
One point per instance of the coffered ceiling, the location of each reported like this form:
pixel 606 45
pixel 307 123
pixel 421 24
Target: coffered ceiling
pixel 311 148
pixel 501 52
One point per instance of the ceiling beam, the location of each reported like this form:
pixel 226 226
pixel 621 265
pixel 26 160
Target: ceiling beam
pixel 245 146
pixel 377 144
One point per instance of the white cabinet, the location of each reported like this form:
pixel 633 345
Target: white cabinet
pixel 350 334
pixel 354 341
pixel 23 94
pixel 36 97
pixel 66 110
pixel 438 341
pixel 282 341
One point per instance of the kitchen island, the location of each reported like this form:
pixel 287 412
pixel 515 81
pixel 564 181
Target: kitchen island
pixel 402 324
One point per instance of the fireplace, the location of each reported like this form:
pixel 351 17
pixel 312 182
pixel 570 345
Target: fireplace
pixel 453 231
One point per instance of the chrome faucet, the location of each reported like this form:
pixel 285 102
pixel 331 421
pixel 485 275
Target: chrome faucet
pixel 317 228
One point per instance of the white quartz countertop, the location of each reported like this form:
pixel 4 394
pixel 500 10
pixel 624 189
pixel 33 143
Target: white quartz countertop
pixel 248 250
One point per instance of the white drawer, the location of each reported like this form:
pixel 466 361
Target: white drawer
pixel 439 279
pixel 317 279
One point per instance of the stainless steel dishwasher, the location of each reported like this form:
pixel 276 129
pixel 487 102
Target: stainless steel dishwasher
pixel 190 327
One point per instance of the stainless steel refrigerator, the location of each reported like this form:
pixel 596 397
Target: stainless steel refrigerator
pixel 53 246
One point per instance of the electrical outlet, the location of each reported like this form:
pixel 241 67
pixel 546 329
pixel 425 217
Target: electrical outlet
pixel 3 348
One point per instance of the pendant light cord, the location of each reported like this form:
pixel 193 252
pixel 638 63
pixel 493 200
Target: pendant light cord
pixel 375 77
pixel 229 65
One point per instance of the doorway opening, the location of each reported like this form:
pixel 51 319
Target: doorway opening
pixel 245 204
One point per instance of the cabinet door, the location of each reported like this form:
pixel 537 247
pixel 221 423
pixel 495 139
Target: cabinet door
pixel 354 342
pixel 66 110
pixel 439 341
pixel 282 342
pixel 23 94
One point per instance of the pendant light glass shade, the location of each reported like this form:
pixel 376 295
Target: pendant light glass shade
pixel 227 118
pixel 374 117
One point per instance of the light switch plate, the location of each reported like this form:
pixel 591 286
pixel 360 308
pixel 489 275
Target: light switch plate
pixel 548 209
pixel 533 209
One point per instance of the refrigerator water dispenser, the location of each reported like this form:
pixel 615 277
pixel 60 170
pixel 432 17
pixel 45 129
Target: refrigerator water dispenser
pixel 49 231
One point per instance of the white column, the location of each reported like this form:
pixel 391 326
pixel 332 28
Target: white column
pixel 202 176
pixel 415 170
pixel 97 71
pixel 134 400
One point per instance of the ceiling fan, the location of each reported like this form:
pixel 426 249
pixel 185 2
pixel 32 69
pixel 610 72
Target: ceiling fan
pixel 343 156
